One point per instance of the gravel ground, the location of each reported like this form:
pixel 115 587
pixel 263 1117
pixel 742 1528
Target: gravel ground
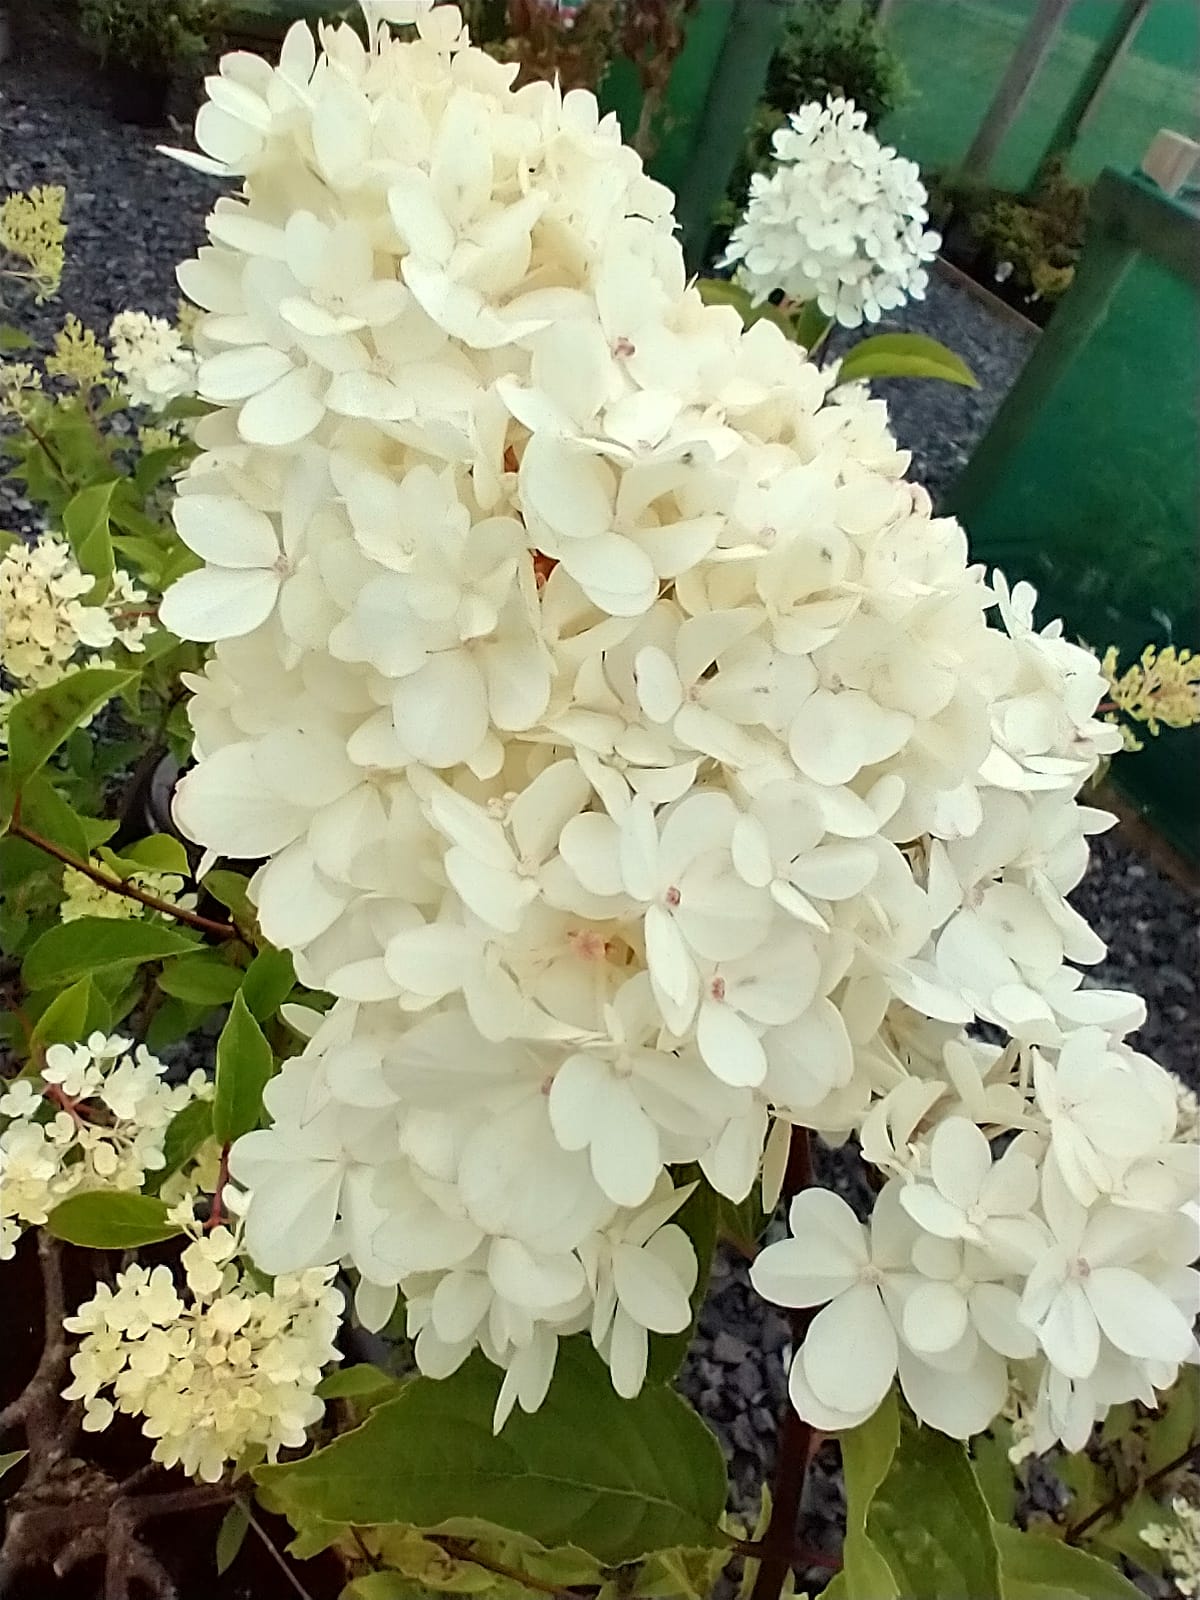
pixel 133 215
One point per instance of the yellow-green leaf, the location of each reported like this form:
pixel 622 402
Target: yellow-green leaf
pixel 244 1067
pixel 40 721
pixel 231 1535
pixel 905 355
pixel 1037 1567
pixel 11 1459
pixel 96 944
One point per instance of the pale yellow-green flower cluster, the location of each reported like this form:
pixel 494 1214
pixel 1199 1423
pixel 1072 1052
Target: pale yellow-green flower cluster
pixel 1160 690
pixel 223 1368
pixel 32 230
pixel 1180 1544
pixel 84 897
pixel 78 357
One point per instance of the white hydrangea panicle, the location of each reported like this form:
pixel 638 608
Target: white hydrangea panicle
pixel 630 752
pixel 94 1117
pixel 222 1367
pixel 150 357
pixel 840 220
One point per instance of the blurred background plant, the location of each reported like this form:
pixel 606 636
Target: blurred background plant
pixel 151 35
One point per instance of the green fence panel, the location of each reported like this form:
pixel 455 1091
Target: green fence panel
pixel 956 51
pixel 1088 482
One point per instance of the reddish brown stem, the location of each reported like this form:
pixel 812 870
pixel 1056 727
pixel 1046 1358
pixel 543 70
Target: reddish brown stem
pixel 796 1438
pixel 1118 1502
pixel 216 930
pixel 216 1213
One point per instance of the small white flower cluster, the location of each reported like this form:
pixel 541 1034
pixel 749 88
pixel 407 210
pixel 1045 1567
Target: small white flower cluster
pixel 84 897
pixel 1180 1543
pixel 625 742
pixel 43 620
pixel 151 358
pixel 225 1368
pixel 841 219
pixel 94 1118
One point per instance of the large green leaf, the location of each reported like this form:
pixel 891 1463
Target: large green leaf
pixel 93 944
pixel 11 1459
pixel 270 978
pixel 618 1478
pixel 42 720
pixel 930 1523
pixel 108 1219
pixel 905 355
pixel 1037 1567
pixel 46 813
pixel 65 1019
pixel 244 1067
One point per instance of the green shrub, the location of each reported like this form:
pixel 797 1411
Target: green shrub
pixel 150 34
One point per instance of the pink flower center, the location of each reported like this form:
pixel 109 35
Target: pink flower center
pixel 672 897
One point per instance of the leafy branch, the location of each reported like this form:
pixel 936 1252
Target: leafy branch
pixel 1113 1506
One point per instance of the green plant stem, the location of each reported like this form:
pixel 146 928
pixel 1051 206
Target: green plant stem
pixel 217 930
pixel 796 1438
pixel 1112 1507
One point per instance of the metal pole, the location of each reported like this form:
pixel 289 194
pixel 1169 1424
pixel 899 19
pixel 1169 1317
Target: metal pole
pixel 755 30
pixel 1023 67
pixel 1109 52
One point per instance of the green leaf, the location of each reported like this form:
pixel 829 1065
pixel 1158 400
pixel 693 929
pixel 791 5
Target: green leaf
pixel 11 1459
pixel 87 524
pixel 111 1220
pixel 1177 1423
pixel 46 813
pixel 1036 1567
pixel 383 1586
pixel 95 944
pixel 619 1478
pixel 230 889
pixel 186 1132
pixel 204 979
pixel 270 978
pixel 867 1455
pixel 744 1221
pixel 231 1535
pixel 13 339
pixel 905 355
pixel 361 1382
pixel 995 1472
pixel 725 292
pixel 811 325
pixel 42 720
pixel 172 1021
pixel 244 1067
pixel 159 853
pixel 65 1019
pixel 929 1521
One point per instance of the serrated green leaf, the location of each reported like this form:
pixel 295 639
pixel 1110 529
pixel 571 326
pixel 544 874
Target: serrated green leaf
pixel 64 1021
pixel 244 1067
pixel 111 1220
pixel 905 355
pixel 270 978
pixel 231 1536
pixel 944 1550
pixel 95 944
pixel 185 1133
pixel 1036 1567
pixel 11 1459
pixel 203 979
pixel 618 1478
pixel 39 722
pixel 87 524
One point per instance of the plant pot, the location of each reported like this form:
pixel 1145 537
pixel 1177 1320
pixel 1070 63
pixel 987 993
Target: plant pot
pixel 139 94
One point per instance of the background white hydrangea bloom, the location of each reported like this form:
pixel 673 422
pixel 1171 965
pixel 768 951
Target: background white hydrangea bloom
pixel 630 752
pixel 840 220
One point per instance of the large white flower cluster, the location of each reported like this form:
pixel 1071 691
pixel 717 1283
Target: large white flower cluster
pixel 226 1367
pixel 95 1117
pixel 624 741
pixel 841 220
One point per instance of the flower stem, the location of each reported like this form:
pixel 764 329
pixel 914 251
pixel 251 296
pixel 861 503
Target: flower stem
pixel 1119 1501
pixel 796 1438
pixel 217 930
